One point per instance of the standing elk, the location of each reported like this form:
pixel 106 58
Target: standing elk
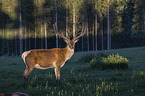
pixel 50 58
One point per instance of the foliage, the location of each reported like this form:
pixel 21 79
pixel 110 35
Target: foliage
pixel 113 61
pixel 38 16
pixel 138 22
pixel 116 9
pixel 127 18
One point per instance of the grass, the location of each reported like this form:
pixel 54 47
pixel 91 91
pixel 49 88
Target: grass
pixel 77 77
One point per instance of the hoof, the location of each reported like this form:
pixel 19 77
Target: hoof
pixel 26 80
pixel 57 83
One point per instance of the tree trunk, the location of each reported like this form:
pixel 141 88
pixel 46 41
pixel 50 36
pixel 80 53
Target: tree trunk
pixel 96 26
pixel 21 33
pixel 45 33
pixel 35 33
pixel 8 48
pixel 82 40
pixel 35 26
pixel 16 43
pixel 25 38
pixel 41 35
pixel 66 18
pixel 102 32
pixel 143 16
pixel 3 40
pixel 108 29
pixel 74 20
pixel 29 39
pixel 56 23
pixel 110 39
pixel 87 34
pixel 93 35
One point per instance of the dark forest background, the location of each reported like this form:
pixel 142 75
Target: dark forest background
pixel 111 24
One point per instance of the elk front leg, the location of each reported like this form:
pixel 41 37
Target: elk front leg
pixel 57 75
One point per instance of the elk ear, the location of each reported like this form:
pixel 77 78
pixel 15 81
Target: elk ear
pixel 76 41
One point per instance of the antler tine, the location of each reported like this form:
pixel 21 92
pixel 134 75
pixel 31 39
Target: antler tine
pixel 82 33
pixel 61 35
pixel 67 34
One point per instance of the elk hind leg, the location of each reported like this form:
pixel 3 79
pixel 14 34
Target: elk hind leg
pixel 26 73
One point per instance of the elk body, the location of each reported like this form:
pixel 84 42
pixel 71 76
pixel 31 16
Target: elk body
pixel 49 58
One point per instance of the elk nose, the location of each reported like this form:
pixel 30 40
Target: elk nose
pixel 72 47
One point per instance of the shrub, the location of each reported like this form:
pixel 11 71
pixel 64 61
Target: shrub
pixel 113 61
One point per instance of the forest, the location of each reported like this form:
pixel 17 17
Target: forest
pixel 110 24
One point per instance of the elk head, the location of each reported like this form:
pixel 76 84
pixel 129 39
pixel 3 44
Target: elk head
pixel 70 43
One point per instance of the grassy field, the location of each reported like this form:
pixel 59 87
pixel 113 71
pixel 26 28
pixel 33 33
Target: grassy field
pixel 77 77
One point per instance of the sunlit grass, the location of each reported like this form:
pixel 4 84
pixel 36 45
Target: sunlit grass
pixel 77 78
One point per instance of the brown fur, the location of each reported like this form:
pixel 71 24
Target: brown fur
pixel 46 58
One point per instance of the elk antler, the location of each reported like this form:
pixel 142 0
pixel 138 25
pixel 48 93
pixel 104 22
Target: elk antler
pixel 61 35
pixel 82 33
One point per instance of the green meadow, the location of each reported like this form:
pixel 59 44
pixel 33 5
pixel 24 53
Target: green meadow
pixel 77 77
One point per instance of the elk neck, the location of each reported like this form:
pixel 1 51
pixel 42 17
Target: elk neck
pixel 70 52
